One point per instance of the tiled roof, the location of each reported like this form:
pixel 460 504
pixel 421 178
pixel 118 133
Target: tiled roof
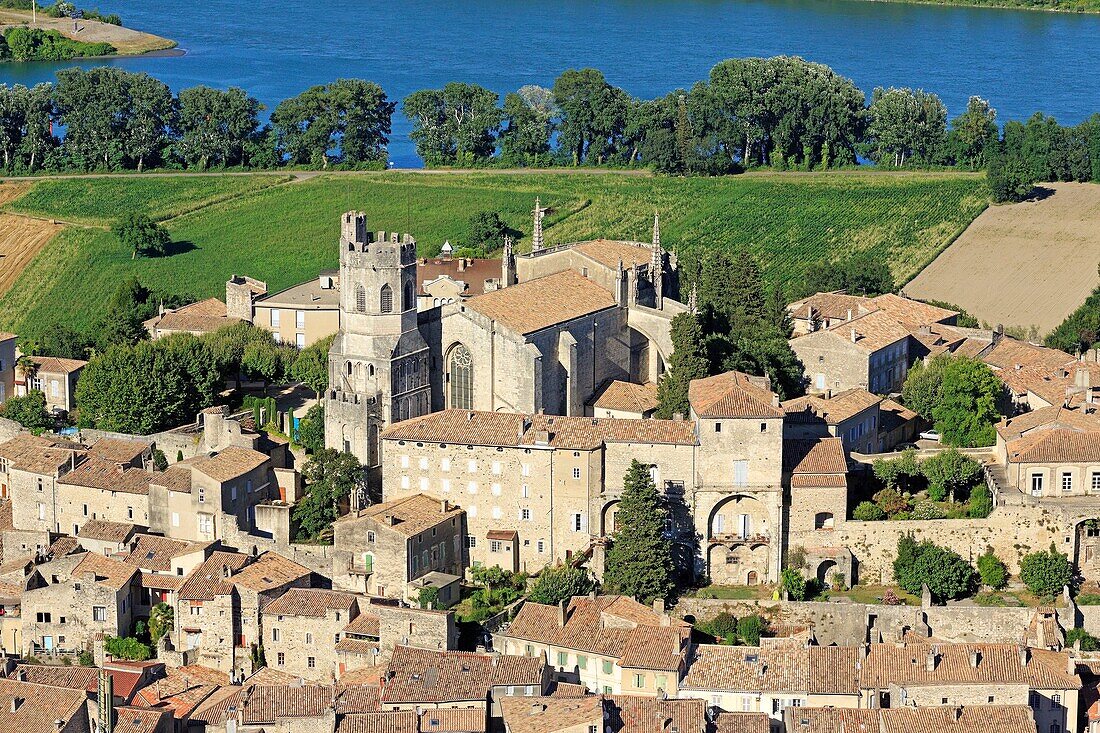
pixel 229 463
pixel 100 473
pixel 653 647
pixel 894 414
pixel 312 602
pixel 833 720
pixel 610 252
pixel 912 313
pixel 364 676
pixel 874 331
pixel 835 410
pixel 139 720
pixel 39 708
pixel 308 295
pixel 100 529
pixel 411 514
pixel 57 365
pixel 1055 446
pixel 73 678
pixel 644 714
pixel 569 689
pixel 152 552
pixel 502 534
pixel 888 664
pixel 395 721
pixel 358 698
pixel 733 394
pixel 270 704
pixel 950 719
pixel 361 647
pixel 453 720
pixel 117 450
pixel 31 453
pixel 208 580
pixel 270 570
pixel 110 573
pixel 419 675
pixel 174 478
pixel 818 481
pixel 826 670
pixel 820 455
pixel 830 306
pixel 511 429
pixel 474 273
pixel 64 545
pixel 161 581
pixel 627 397
pixel 744 723
pixel 365 624
pixel 1055 416
pixel 550 714
pixel 182 689
pixel 203 316
pixel 1010 353
pixel 546 301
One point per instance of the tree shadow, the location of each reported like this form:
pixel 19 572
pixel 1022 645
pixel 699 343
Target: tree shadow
pixel 1039 193
pixel 177 248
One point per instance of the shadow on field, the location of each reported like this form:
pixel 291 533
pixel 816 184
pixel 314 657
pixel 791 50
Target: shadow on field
pixel 178 248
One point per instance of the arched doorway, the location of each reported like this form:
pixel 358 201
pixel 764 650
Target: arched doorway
pixel 752 578
pixel 825 573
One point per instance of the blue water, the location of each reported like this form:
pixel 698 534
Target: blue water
pixel 1022 61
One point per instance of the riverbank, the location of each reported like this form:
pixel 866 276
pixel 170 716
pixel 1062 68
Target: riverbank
pixel 126 41
pixel 1054 6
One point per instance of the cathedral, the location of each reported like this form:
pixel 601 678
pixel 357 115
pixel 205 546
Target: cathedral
pixel 559 324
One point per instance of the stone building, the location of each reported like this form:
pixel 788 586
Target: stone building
pixel 444 280
pixel 198 318
pixel 52 376
pixel 852 415
pixel 42 709
pixel 303 628
pixel 302 314
pixel 396 548
pixel 955 719
pixel 8 343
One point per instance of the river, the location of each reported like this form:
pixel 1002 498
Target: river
pixel 1022 61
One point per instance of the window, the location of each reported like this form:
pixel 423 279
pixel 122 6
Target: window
pixel 823 520
pixel 740 473
pixel 99 613
pixel 175 519
pixel 717 427
pixel 471 466
pixel 55 388
pixel 579 522
pixel 496 467
pixel 300 340
pixel 275 634
pixel 282 659
pixel 607 666
pixel 472 487
pixel 309 638
pixel 407 295
pixel 582 661
pixel 576 472
pixel 41 510
pixel 1036 484
pixel 639 681
pixel 763 427
pixel 496 489
pixel 311 662
pixel 299 319
pixel 206 524
pixel 1055 701
pixel 525 514
pixel 460 378
pixel 275 314
pixel 541 546
pixel 471 541
pixel 1096 480
pixel 370 537
pixel 1067 481
pixel 524 491
pixel 525 469
pixel 202 497
pixel 385 299
pixel 563 658
pixel 44 618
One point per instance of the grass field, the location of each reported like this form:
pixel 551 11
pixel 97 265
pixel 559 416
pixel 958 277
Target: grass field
pixel 284 234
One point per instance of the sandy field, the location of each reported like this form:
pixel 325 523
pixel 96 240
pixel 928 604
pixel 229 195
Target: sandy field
pixel 21 237
pixel 1025 264
pixel 127 41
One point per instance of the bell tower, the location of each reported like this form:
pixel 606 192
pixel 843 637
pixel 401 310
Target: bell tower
pixel 378 363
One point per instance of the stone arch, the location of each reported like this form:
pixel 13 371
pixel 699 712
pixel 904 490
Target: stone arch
pixel 825 572
pixel 724 519
pixel 824 520
pixel 385 299
pixel 459 377
pixel 607 518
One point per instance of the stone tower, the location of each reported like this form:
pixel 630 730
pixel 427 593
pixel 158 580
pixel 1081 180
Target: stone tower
pixel 378 363
pixel 508 263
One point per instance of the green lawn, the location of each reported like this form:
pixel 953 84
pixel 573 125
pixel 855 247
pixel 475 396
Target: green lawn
pixel 285 234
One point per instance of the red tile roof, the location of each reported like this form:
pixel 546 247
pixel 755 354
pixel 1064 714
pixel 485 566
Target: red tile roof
pixel 733 394
pixel 419 675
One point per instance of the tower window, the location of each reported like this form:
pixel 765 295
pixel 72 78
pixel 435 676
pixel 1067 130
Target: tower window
pixel 361 299
pixel 386 299
pixel 407 296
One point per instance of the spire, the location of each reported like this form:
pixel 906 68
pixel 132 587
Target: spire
pixel 657 264
pixel 656 231
pixel 693 299
pixel 507 263
pixel 536 232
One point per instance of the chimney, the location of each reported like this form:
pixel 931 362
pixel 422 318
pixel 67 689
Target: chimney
pixel 659 606
pixel 536 708
pixel 849 314
pixel 1025 654
pixel 930 660
pixel 462 264
pixel 1071 663
pixel 863 651
pixel 975 657
pixel 231 720
pixel 226 572
pixel 855 336
pixel 22 675
pixel 59 724
pixel 15 703
pixel 562 613
pixel 958 712
pixel 444 506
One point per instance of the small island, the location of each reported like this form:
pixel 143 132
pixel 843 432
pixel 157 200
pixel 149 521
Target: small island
pixel 52 33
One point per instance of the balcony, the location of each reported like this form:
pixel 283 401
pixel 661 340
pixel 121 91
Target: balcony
pixel 730 538
pixel 360 568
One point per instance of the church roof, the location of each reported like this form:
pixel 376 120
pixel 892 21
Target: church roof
pixel 544 302
pixel 610 252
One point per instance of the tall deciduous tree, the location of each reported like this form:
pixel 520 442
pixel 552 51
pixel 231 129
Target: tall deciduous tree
pixel 923 384
pixel 688 362
pixel 593 116
pixel 457 124
pixel 348 120
pixel 215 127
pixel 141 235
pixel 311 366
pixel 331 476
pixel 974 133
pixel 906 126
pixel 639 560
pixel 528 124
pixel 968 407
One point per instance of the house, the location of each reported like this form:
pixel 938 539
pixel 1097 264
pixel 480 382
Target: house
pixel 303 628
pixel 302 314
pixel 945 719
pixel 29 469
pixel 42 709
pixel 852 415
pixel 609 644
pixel 52 376
pixel 447 279
pixel 198 318
pixel 106 538
pixel 626 400
pixel 395 548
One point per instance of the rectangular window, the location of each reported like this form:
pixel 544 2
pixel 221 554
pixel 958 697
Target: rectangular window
pixel 579 522
pixel 541 546
pixel 472 487
pixel 525 469
pixel 471 541
pixel 55 388
pixel 563 657
pixel 175 519
pixel 582 662
pixel 494 545
pixel 1067 481
pixel 275 314
pixel 85 510
pixel 763 427
pixel 202 495
pixel 639 681
pixel 496 467
pixel 282 659
pixel 445 464
pixel 299 319
pixel 41 510
pixel 300 340
pixel 471 466
pixel 311 662
pixel 740 473
pixel 99 613
pixel 274 634
pixel 576 472
pixel 607 666
pixel 1096 480
pixel 1036 484
pixel 525 514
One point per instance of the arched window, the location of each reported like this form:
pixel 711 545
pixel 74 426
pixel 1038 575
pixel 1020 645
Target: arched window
pixel 460 378
pixel 370 370
pixel 385 299
pixel 823 520
pixel 349 368
pixel 361 299
pixel 407 296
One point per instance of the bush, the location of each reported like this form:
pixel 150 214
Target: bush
pixel 1045 573
pixel 867 511
pixel 927 510
pixel 992 571
pixel 751 628
pixel 127 648
pixel 85 659
pixel 29 411
pixel 981 502
pixel 1089 643
pixel 890 598
pixel 890 501
pixel 795 585
pixel 560 583
pixel 952 473
pixel 947 575
pixel 723 626
pixel 898 472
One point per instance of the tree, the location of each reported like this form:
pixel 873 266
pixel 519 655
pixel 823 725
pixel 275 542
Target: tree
pixel 947 575
pixel 792 581
pixel 593 116
pixel 1046 572
pixel 981 502
pixel 723 627
pixel 123 321
pixel 973 133
pixel 93 105
pixel 528 123
pixel 57 339
pixel 898 473
pixel 688 362
pixel 868 511
pixel 311 429
pixel 347 120
pixel 38 140
pixel 751 628
pixel 215 127
pixel 428 597
pixel 923 384
pixel 968 408
pixel 906 126
pixel 486 232
pixel 1010 179
pixel 127 648
pixel 560 583
pixel 161 620
pixel 29 411
pixel 228 344
pixel 148 125
pixel 1089 643
pixel 310 367
pixel 992 571
pixel 639 560
pixel 141 235
pixel 857 274
pixel 950 473
pixel 331 476
pixel 455 125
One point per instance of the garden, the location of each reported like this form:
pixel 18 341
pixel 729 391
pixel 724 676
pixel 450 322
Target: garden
pixel 948 485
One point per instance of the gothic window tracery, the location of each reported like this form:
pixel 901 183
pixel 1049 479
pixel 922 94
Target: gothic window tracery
pixel 361 299
pixel 460 378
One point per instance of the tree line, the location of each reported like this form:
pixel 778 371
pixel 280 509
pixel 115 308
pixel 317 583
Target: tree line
pixel 780 113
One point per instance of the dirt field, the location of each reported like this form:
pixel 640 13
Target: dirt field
pixel 21 237
pixel 128 42
pixel 1022 264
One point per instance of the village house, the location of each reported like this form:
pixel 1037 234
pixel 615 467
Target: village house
pixel 302 629
pixel 609 644
pixel 626 400
pixel 852 415
pixel 446 279
pixel 396 548
pixel 29 469
pixel 42 709
pixel 382 625
pixel 106 538
pixel 302 314
pixel 52 376
pixel 198 318
pixel 944 719
pixel 621 714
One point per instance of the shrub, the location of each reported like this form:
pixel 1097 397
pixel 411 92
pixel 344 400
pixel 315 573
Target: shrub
pixel 981 502
pixel 1045 573
pixel 890 598
pixel 927 510
pixel 898 472
pixel 560 583
pixel 890 501
pixel 751 628
pixel 795 585
pixel 723 626
pixel 127 648
pixel 945 572
pixel 867 511
pixel 85 659
pixel 1089 643
pixel 992 571
pixel 950 472
pixel 1088 599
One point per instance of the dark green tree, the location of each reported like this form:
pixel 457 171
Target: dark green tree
pixel 141 235
pixel 123 323
pixel 688 362
pixel 215 127
pixel 751 628
pixel 485 232
pixel 906 126
pixel 331 476
pixel 455 125
pixel 950 474
pixel 973 134
pixel 528 124
pixel 968 407
pixel 1089 643
pixel 981 502
pixel 947 575
pixel 1046 572
pixel 593 117
pixel 29 411
pixel 560 583
pixel 639 560
pixel 992 571
pixel 923 385
pixel 1010 178
pixel 346 120
pixel 311 429
pixel 311 366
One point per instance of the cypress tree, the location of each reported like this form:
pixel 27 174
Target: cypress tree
pixel 639 560
pixel 688 362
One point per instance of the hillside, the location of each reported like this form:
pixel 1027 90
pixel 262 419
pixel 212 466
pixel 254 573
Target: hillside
pixel 1045 251
pixel 285 233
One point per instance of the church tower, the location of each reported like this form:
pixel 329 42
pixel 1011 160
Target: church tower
pixel 378 362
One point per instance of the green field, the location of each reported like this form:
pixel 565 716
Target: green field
pixel 284 234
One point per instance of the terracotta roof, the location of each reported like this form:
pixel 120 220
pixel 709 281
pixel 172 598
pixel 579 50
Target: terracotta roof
pixel 874 331
pixel 832 305
pixel 610 252
pixel 270 570
pixel 1055 416
pixel 39 707
pixel 605 626
pixel 203 316
pixel 395 721
pixel 64 545
pixel 569 689
pixel 311 602
pixel 119 451
pixel 745 723
pixel 100 529
pixel 733 394
pixel 208 580
pixel 815 670
pixel 537 304
pixel 894 414
pixel 833 720
pixel 419 675
pixel 912 313
pixel 57 365
pixel 474 273
pixel 174 478
pixel 365 624
pixel 627 397
pixel 73 678
pixel 364 676
pixel 888 664
pixel 269 704
pixel 550 714
pixel 108 572
pixel 949 719
pixel 182 689
pixel 511 429
pixel 100 473
pixel 152 552
pixel 653 647
pixel 818 481
pixel 1055 446
pixel 834 410
pixel 453 720
pixel 644 714
pixel 502 534
pixel 31 453
pixel 358 698
pixel 821 455
pixel 1010 353
pixel 229 463
pixel 161 581
pixel 411 514
pixel 140 720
